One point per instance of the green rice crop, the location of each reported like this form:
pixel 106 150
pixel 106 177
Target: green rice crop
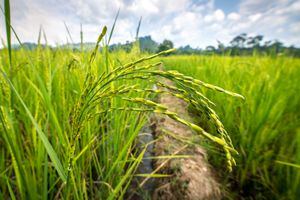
pixel 69 120
pixel 265 128
pixel 72 128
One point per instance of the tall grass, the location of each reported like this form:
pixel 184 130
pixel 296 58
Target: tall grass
pixel 72 127
pixel 7 26
pixel 265 128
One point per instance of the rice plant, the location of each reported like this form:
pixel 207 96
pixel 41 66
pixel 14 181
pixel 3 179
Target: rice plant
pixel 264 128
pixel 69 120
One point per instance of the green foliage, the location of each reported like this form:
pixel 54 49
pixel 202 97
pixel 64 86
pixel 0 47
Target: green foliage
pixel 166 44
pixel 148 45
pixel 7 26
pixel 266 126
pixel 72 129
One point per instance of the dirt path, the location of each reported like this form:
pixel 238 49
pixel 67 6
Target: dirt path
pixel 191 177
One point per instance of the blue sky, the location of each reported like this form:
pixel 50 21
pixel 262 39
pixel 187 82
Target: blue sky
pixel 195 22
pixel 227 6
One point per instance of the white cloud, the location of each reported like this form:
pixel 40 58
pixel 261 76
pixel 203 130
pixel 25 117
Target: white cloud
pixel 194 22
pixel 295 28
pixel 144 7
pixel 254 17
pixel 217 15
pixel 270 18
pixel 233 16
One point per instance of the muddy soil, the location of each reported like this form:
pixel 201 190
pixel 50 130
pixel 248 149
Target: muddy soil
pixel 190 176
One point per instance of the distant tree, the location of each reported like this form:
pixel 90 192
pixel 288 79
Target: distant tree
pixel 257 40
pixel 128 46
pixel 250 42
pixel 293 51
pixel 210 48
pixel 267 43
pixel 241 45
pixel 187 50
pixel 239 41
pixel 147 44
pixel 254 41
pixel 221 47
pixel 165 45
pixel 277 46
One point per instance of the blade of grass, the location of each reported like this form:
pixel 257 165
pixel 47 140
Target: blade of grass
pixel 16 160
pixel 45 182
pixel 52 154
pixel 84 149
pixel 127 176
pixel 81 38
pixel 12 194
pixel 138 29
pixel 8 33
pixel 288 164
pixel 68 31
pixel 40 36
pixel 113 27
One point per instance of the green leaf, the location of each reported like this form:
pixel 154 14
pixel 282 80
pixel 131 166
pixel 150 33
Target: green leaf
pixel 7 25
pixel 52 154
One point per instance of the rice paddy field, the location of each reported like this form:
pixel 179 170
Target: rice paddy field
pixel 47 126
pixel 58 140
pixel 70 120
pixel 265 128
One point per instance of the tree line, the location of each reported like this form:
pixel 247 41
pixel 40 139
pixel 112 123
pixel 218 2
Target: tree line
pixel 241 45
